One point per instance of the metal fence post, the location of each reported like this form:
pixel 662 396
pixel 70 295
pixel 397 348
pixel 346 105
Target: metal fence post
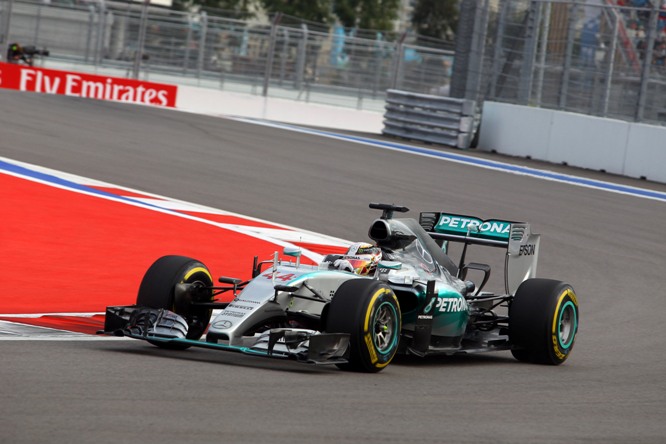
pixel 142 40
pixel 271 53
pixel 188 43
pixel 101 32
pixel 564 89
pixel 477 51
pixel 611 64
pixel 397 63
pixel 91 22
pixel 202 44
pixel 378 55
pixel 647 61
pixel 284 54
pixel 543 49
pixel 529 52
pixel 497 54
pixel 465 33
pixel 300 58
pixel 38 22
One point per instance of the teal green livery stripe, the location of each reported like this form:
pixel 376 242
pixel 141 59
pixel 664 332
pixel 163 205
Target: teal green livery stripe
pixel 483 229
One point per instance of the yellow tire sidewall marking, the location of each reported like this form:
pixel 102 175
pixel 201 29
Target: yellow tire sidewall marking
pixel 197 270
pixel 556 343
pixel 366 329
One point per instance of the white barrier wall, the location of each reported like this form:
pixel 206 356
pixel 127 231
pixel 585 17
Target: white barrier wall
pixel 614 146
pixel 222 103
pixel 646 152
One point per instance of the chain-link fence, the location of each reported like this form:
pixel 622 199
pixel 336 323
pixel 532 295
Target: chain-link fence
pixel 593 57
pixel 279 57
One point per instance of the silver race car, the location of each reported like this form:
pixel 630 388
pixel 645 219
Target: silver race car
pixel 402 294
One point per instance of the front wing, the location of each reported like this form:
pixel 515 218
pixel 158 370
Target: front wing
pixel 163 327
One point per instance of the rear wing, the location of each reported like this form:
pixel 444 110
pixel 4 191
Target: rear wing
pixel 521 245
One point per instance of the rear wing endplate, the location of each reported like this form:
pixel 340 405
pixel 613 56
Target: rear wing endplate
pixel 522 246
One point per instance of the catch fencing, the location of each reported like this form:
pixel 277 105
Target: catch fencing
pixel 593 57
pixel 585 56
pixel 278 58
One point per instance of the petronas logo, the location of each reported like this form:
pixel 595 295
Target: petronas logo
pixel 429 306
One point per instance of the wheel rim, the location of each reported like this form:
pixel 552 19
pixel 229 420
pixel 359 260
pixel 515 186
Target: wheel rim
pixel 385 326
pixel 197 318
pixel 567 325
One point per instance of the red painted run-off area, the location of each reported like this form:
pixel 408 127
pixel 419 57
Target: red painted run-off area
pixel 67 252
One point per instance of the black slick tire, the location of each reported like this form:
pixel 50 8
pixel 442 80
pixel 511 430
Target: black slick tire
pixel 157 290
pixel 543 321
pixel 369 311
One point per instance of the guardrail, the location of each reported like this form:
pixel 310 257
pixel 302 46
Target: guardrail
pixel 428 118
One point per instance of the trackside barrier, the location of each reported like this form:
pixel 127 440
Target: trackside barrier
pixel 627 148
pixel 76 84
pixel 225 103
pixel 427 118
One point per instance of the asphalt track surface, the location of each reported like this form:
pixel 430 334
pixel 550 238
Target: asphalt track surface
pixel 609 246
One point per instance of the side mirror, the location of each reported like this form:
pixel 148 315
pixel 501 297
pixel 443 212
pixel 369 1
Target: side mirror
pixel 293 252
pixel 391 265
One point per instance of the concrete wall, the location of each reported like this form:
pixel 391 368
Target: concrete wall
pixel 614 146
pixel 221 103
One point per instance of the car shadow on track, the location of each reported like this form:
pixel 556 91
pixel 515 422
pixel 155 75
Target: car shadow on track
pixel 145 351
pixel 462 360
pixel 225 358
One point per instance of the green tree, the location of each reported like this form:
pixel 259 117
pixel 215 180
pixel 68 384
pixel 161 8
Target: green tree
pixel 310 10
pixel 367 14
pixel 435 18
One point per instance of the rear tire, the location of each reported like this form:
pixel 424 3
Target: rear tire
pixel 369 311
pixel 157 291
pixel 543 321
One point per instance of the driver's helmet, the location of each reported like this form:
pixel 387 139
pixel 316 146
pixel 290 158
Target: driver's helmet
pixel 361 258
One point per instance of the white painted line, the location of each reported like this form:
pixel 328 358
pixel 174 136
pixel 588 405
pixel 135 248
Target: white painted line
pixel 475 161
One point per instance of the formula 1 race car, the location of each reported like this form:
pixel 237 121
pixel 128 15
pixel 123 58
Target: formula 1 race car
pixel 403 295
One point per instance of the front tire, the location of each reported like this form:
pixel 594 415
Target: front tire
pixel 369 311
pixel 157 290
pixel 543 321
